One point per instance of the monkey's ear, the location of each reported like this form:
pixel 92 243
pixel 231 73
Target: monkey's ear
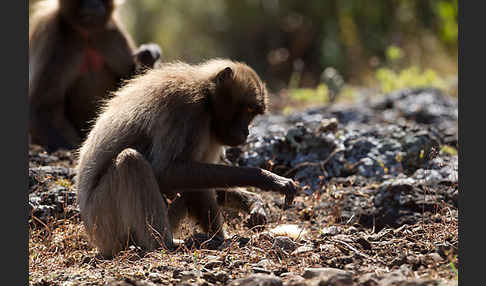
pixel 224 77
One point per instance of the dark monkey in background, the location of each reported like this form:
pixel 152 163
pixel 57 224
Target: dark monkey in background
pixel 163 133
pixel 78 52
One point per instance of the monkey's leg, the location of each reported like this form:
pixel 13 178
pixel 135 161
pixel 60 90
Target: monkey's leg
pixel 51 129
pixel 203 207
pixel 177 212
pixel 127 206
pixel 243 200
pixel 67 131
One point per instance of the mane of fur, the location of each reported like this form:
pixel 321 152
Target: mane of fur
pixel 162 106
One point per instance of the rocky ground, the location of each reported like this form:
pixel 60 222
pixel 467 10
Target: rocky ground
pixel 378 206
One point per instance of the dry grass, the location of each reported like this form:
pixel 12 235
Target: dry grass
pixel 59 251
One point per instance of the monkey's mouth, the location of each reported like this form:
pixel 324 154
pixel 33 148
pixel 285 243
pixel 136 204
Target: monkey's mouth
pixel 236 139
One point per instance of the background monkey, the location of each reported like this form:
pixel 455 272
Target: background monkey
pixel 77 52
pixel 162 133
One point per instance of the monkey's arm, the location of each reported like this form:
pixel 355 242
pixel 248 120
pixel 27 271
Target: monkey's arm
pixel 196 175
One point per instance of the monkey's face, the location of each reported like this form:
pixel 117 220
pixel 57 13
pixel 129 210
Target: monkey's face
pixel 238 99
pixel 87 14
pixel 235 131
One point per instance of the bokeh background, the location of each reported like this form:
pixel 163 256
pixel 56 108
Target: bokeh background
pixel 307 51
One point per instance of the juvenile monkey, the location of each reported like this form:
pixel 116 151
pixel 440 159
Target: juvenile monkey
pixel 77 53
pixel 163 133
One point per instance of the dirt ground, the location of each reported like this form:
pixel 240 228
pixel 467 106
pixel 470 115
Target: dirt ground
pixel 339 234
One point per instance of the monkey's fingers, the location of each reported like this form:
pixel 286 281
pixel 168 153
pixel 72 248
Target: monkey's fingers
pixel 289 201
pixel 290 195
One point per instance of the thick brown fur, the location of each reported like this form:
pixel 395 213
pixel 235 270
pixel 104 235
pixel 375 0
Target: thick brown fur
pixel 163 133
pixel 73 64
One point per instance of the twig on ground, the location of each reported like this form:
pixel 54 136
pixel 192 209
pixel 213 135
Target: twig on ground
pixel 320 164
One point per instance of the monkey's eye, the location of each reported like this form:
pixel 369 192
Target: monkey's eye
pixel 250 109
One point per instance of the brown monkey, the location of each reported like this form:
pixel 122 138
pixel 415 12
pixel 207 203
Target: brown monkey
pixel 77 52
pixel 163 133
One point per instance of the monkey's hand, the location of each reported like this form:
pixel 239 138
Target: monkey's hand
pixel 284 186
pixel 258 216
pixel 290 188
pixel 148 54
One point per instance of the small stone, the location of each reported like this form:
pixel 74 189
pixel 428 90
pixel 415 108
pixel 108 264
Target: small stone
pixel 186 275
pixel 328 231
pixel 338 280
pixel 213 263
pixel 222 276
pixel 155 277
pixel 413 260
pixel 257 280
pixel 215 277
pixel 393 278
pixel 302 249
pixel 291 230
pixel 292 276
pixel 295 280
pixel 368 279
pixel 264 263
pixel 284 243
pixel 328 125
pixel 310 273
pixel 328 276
pixel 434 257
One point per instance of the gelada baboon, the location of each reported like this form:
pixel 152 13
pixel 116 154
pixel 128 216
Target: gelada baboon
pixel 161 134
pixel 77 52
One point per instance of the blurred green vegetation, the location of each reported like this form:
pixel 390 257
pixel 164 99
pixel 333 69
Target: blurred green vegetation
pixel 387 42
pixel 280 38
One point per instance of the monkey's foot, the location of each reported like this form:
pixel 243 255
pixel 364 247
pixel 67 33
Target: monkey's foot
pixel 258 216
pixel 203 241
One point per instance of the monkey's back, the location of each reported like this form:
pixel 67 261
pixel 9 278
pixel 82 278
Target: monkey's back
pixel 155 113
